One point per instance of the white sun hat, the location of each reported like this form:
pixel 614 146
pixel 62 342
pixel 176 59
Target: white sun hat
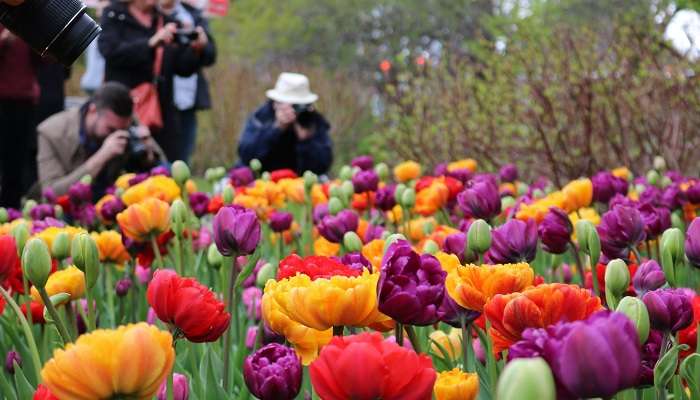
pixel 293 89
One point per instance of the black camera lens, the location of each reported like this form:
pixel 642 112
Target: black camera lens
pixel 59 29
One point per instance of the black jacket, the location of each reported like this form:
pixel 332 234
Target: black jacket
pixel 129 60
pixel 281 149
pixel 208 58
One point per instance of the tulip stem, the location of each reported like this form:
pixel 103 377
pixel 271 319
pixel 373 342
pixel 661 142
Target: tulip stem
pixel 230 305
pixel 178 255
pixel 579 264
pixel 27 298
pixel 637 255
pixel 414 339
pixel 90 310
pixel 54 315
pixel 156 251
pixel 171 394
pixel 398 332
pixel 466 345
pixel 33 351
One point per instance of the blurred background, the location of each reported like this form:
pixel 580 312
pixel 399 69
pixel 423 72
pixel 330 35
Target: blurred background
pixel 560 87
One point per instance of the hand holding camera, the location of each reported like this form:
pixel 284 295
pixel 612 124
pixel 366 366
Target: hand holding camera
pixel 114 145
pixel 284 115
pixel 165 35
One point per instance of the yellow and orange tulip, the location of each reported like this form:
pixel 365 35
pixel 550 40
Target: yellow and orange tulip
pixel 471 286
pixel 407 171
pixel 70 280
pixel 111 248
pixel 456 385
pixel 141 220
pixel 160 187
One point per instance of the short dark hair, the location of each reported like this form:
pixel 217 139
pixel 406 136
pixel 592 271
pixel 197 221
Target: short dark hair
pixel 115 97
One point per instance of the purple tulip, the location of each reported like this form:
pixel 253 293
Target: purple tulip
pixel 236 231
pixel 356 260
pixel 111 208
pixel 440 169
pixel 456 243
pixel 365 181
pixel 250 281
pixel 650 355
pixel 651 195
pixel 79 193
pixel 674 176
pixel 567 273
pixel 620 200
pixel 12 358
pixel 241 176
pixel 199 201
pixel 648 277
pixel 670 310
pixel 85 214
pixel 693 193
pixel 606 185
pixel 320 211
pixel 514 241
pixel 463 175
pixel 384 198
pixel 280 221
pixel 411 287
pixel 333 227
pixel 452 313
pixel 251 337
pixel 373 232
pixel 508 173
pixel 13 214
pixel 49 195
pixel 138 178
pixel 596 357
pixel 273 373
pixel 363 162
pixel 620 230
pixel 555 231
pixel 122 287
pixel 252 300
pixel 160 170
pixel 41 211
pixel 39 226
pixel 673 197
pixel 181 388
pixel 656 219
pixel 692 242
pixel 480 200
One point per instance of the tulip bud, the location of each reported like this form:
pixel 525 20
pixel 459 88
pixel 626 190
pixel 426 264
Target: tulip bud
pixel 507 202
pixel 431 247
pixel 335 206
pixel 86 179
pixel 526 379
pixel 345 173
pixel 479 237
pixel 227 195
pixel 255 165
pixel 408 198
pixel 4 216
pixel 181 388
pixel 86 257
pixel 267 272
pixel 617 279
pixel 659 164
pixel 60 248
pixel 352 242
pixel 347 189
pixel 10 360
pixel 28 206
pixel 588 240
pixel 391 239
pixel 181 172
pixel 122 287
pixel 36 262
pixel 428 228
pixel 219 172
pixel 335 191
pixel 178 216
pixel 21 234
pixel 672 253
pixel 59 299
pixel 636 311
pixel 537 193
pixel 310 179
pixel 666 182
pixel 398 192
pixel 677 220
pixel 382 171
pixel 266 176
pixel 521 188
pixel 214 258
pixel 639 188
pixel 653 177
pixel 209 174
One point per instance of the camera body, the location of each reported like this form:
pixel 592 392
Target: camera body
pixel 136 150
pixel 184 37
pixel 305 114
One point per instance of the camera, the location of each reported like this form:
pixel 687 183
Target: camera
pixel 137 152
pixel 59 29
pixel 305 114
pixel 184 37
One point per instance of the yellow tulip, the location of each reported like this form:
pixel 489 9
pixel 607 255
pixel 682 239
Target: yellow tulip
pixel 456 385
pixel 123 181
pixel 140 220
pixel 323 247
pixel 471 286
pixel 450 342
pixel 160 187
pixel 467 163
pixel 579 193
pixel 449 262
pixel 111 247
pixel 128 362
pixel 374 252
pixel 406 171
pixel 70 280
pixel 588 214
pixel 621 172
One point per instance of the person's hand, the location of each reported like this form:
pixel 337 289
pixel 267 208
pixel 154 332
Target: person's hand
pixel 303 133
pixel 6 35
pixel 114 145
pixel 202 38
pixel 143 133
pixel 284 115
pixel 12 2
pixel 165 35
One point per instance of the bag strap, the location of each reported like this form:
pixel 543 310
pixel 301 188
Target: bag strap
pixel 158 62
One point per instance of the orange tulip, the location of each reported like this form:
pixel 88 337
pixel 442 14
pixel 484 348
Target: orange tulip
pixel 467 163
pixel 537 307
pixel 160 186
pixel 323 247
pixel 111 248
pixel 141 220
pixel 432 198
pixel 621 172
pixel 579 193
pixel 472 286
pixel 374 251
pixel 406 171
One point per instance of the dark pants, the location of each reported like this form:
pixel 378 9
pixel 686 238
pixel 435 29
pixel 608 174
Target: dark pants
pixel 188 130
pixel 17 137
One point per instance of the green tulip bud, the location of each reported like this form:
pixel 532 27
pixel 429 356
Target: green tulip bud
pixel 398 192
pixel 428 228
pixel 59 299
pixel 119 192
pixel 672 250
pixel 639 188
pixel 227 195
pixel 352 242
pixel 209 174
pixel 507 202
pixel 408 198
pixel 21 234
pixel 58 210
pixel 479 237
pixel 636 311
pixel 345 173
pixel 266 176
pixel 617 278
pixel 255 165
pixel 214 258
pixel 178 216
pixel 677 220
pixel 347 189
pixel 266 272
pixel 526 379
pixel 28 206
pixel 86 179
pixel 588 239
pixel 60 248
pixel 666 182
pixel 335 206
pixel 537 193
pixel 521 188
pixel 335 191
pixel 430 247
pixel 310 179
pixel 181 172
pixel 382 171
pixel 659 163
pixel 219 172
pixel 393 238
pixel 653 177
pixel 4 216
pixel 36 262
pixel 86 257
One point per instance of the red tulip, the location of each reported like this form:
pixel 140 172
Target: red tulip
pixel 386 370
pixel 280 174
pixel 42 393
pixel 689 335
pixel 37 310
pixel 9 259
pixel 313 266
pixel 187 305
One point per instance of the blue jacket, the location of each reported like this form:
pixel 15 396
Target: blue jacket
pixel 278 149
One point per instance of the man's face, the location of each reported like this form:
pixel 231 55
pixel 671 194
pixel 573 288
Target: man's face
pixel 102 123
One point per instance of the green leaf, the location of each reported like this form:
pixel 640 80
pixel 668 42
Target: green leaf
pixel 666 367
pixel 690 372
pixel 248 270
pixel 6 388
pixel 24 388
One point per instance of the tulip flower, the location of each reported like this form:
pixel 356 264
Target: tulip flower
pixel 273 373
pixel 111 247
pixel 596 357
pixel 122 287
pixel 108 207
pixel 456 385
pixel 236 231
pixel 411 287
pixel 606 185
pixel 132 361
pixel 188 306
pixel 158 187
pixel 526 379
pixel 472 286
pixel 9 259
pixel 363 162
pixel 620 230
pixel 10 360
pixel 241 176
pixel 537 307
pixel 389 372
pixel 43 393
pixel 656 219
pixel 280 221
pixel 314 267
pixel 578 194
pixel 555 231
pixel 365 181
pixel 142 220
pixel 199 202
pixel 508 173
pixel 692 242
pixel 70 280
pixel 181 388
pixel 480 200
pixel 689 335
pixel 384 198
pixel 670 310
pixel 334 227
pixel 649 276
pixel 252 300
pixel 514 241
pixel 407 171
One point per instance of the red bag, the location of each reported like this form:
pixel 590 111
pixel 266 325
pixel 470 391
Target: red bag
pixel 145 96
